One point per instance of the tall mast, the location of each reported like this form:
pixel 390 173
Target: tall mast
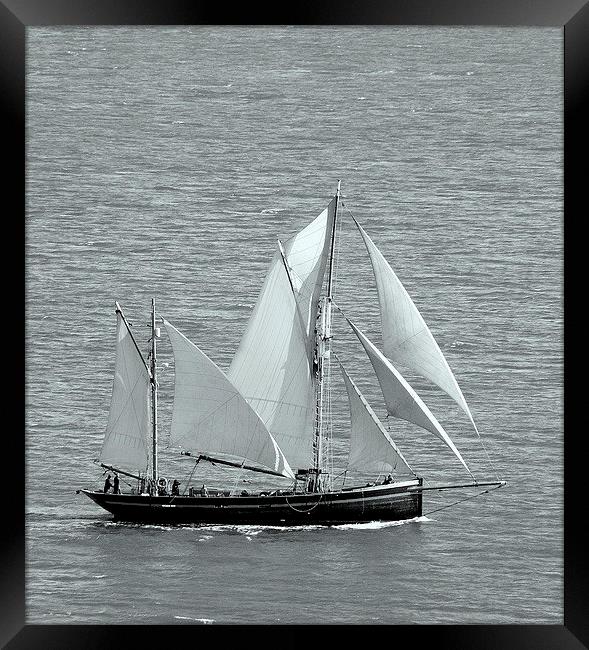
pixel 154 390
pixel 330 272
pixel 322 344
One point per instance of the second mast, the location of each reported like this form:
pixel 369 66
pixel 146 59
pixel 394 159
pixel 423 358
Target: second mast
pixel 322 343
pixel 154 334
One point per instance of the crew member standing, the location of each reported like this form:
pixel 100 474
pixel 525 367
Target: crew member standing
pixel 116 488
pixel 107 484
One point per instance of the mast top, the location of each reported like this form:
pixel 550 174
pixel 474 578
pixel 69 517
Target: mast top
pixel 332 247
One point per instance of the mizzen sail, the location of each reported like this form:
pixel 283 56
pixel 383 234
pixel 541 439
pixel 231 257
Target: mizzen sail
pixel 406 337
pixel 210 414
pixel 127 440
pixel 400 399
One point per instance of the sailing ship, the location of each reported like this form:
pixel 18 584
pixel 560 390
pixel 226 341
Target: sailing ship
pixel 270 411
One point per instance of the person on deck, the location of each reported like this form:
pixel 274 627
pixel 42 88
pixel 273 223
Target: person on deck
pixel 176 488
pixel 107 484
pixel 116 489
pixel 388 479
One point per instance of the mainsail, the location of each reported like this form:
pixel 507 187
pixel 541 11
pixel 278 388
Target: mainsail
pixel 127 438
pixel 210 414
pixel 371 447
pixel 272 366
pixel 401 400
pixel 406 338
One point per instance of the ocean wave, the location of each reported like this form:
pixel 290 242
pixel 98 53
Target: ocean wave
pixel 378 525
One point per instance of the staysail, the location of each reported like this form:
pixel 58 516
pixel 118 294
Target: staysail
pixel 127 440
pixel 406 337
pixel 401 400
pixel 371 447
pixel 211 416
pixel 272 366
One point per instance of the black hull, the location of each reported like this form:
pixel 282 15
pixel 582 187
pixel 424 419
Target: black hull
pixel 377 503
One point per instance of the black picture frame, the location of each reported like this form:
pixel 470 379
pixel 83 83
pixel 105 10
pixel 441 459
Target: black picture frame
pixel 573 17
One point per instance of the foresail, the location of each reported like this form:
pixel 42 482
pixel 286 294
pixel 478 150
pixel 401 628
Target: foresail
pixel 211 416
pixel 128 435
pixel 406 337
pixel 272 366
pixel 371 447
pixel 400 399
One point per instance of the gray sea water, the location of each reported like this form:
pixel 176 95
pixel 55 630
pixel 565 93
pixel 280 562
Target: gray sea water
pixel 166 162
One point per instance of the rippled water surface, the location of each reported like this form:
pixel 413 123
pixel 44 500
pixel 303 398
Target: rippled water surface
pixel 165 162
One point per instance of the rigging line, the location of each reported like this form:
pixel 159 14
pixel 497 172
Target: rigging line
pixel 191 474
pixel 301 292
pixel 486 453
pixel 311 508
pixel 127 401
pixel 118 310
pixel 329 422
pixel 345 206
pixel 123 481
pixel 287 270
pixel 237 479
pixel 337 254
pixel 315 258
pixel 450 505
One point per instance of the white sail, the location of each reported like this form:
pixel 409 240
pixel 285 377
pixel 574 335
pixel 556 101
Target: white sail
pixel 401 400
pixel 127 440
pixel 211 416
pixel 406 338
pixel 272 367
pixel 306 253
pixel 371 447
